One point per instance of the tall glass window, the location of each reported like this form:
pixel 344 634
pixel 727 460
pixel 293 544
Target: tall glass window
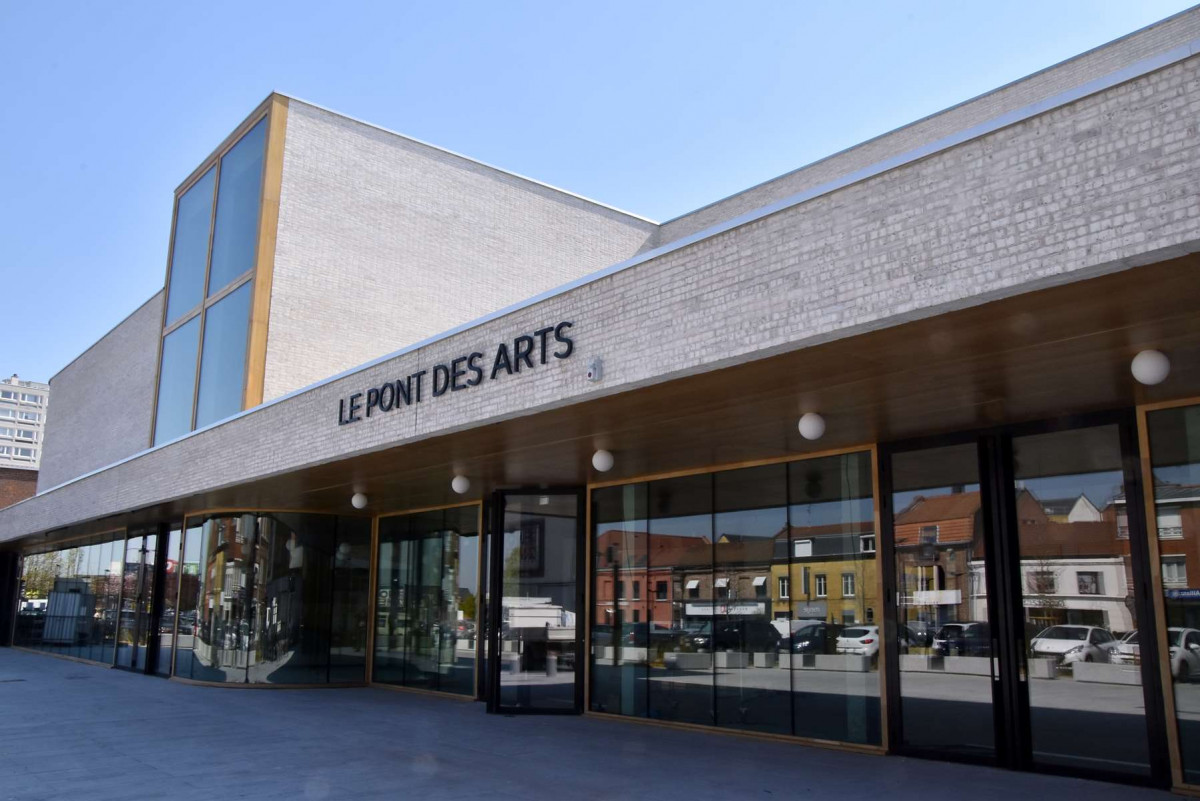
pixel 426 603
pixel 223 362
pixel 835 629
pixel 210 291
pixel 1175 457
pixel 275 599
pixel 193 221
pixel 177 382
pixel 69 600
pixel 730 627
pixel 236 233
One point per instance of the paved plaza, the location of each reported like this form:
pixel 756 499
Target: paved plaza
pixel 74 731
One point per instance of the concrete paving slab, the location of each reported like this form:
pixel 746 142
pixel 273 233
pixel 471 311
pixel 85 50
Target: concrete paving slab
pixel 70 731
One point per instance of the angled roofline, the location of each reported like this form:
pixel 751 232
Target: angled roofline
pixel 456 154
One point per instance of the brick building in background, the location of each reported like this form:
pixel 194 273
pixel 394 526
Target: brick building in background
pixel 23 408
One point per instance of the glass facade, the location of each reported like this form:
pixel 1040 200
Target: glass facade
pixel 942 617
pixel 193 223
pixel 236 233
pixel 177 382
pixel 744 599
pixel 427 601
pixel 279 598
pixel 210 290
pixel 70 599
pixel 1175 460
pixel 223 362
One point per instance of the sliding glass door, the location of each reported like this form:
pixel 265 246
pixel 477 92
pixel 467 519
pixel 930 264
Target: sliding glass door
pixel 536 603
pixel 1019 582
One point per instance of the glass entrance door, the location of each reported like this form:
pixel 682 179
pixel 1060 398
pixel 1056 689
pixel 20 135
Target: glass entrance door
pixel 536 654
pixel 1087 707
pixel 1020 582
pixel 135 629
pixel 947 677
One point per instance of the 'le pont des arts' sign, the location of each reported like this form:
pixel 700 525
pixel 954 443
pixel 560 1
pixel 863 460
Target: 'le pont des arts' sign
pixel 464 372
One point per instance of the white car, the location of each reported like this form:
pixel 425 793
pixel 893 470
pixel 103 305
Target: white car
pixel 1072 643
pixel 1185 653
pixel 1127 651
pixel 860 640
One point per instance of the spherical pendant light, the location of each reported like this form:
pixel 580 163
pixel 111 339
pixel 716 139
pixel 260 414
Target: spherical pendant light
pixel 602 460
pixel 812 426
pixel 1150 367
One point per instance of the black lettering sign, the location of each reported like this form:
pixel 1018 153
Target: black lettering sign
pixel 462 372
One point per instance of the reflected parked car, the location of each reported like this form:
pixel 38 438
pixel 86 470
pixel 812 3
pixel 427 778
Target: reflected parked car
pixel 920 633
pixel 642 635
pixel 963 639
pixel 750 635
pixel 1126 651
pixel 1185 653
pixel 859 640
pixel 815 638
pixel 1069 643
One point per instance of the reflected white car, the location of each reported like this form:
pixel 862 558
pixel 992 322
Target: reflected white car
pixel 1127 651
pixel 1185 653
pixel 860 640
pixel 1072 643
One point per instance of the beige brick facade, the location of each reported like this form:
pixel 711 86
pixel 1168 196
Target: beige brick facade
pixel 384 241
pixel 107 400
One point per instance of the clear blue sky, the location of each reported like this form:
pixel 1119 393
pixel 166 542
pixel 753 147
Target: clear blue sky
pixel 653 107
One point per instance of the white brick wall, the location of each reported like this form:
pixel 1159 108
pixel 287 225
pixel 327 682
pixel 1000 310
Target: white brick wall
pixel 384 241
pixel 1104 183
pixel 102 404
pixel 1169 33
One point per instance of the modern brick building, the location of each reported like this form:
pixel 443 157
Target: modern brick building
pixel 898 451
pixel 23 406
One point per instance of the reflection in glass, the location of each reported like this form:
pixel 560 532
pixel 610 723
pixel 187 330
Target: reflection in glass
pixel 539 603
pixel 834 628
pixel 190 248
pixel 136 592
pixel 426 605
pixel 281 599
pixel 943 632
pixel 680 685
pixel 1087 709
pixel 69 600
pixel 707 608
pixel 236 233
pixel 170 604
pixel 177 382
pixel 620 639
pixel 750 511
pixel 189 588
pixel 223 363
pixel 1175 458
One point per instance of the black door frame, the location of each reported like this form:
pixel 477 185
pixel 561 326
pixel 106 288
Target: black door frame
pixel 495 528
pixel 1010 689
pixel 151 620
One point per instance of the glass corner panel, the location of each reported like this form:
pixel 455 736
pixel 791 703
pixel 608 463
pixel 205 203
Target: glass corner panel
pixel 1175 460
pixel 235 236
pixel 223 362
pixel 177 382
pixel 189 253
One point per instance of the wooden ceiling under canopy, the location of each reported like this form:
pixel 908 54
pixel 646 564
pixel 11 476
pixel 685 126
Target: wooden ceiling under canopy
pixel 1038 355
